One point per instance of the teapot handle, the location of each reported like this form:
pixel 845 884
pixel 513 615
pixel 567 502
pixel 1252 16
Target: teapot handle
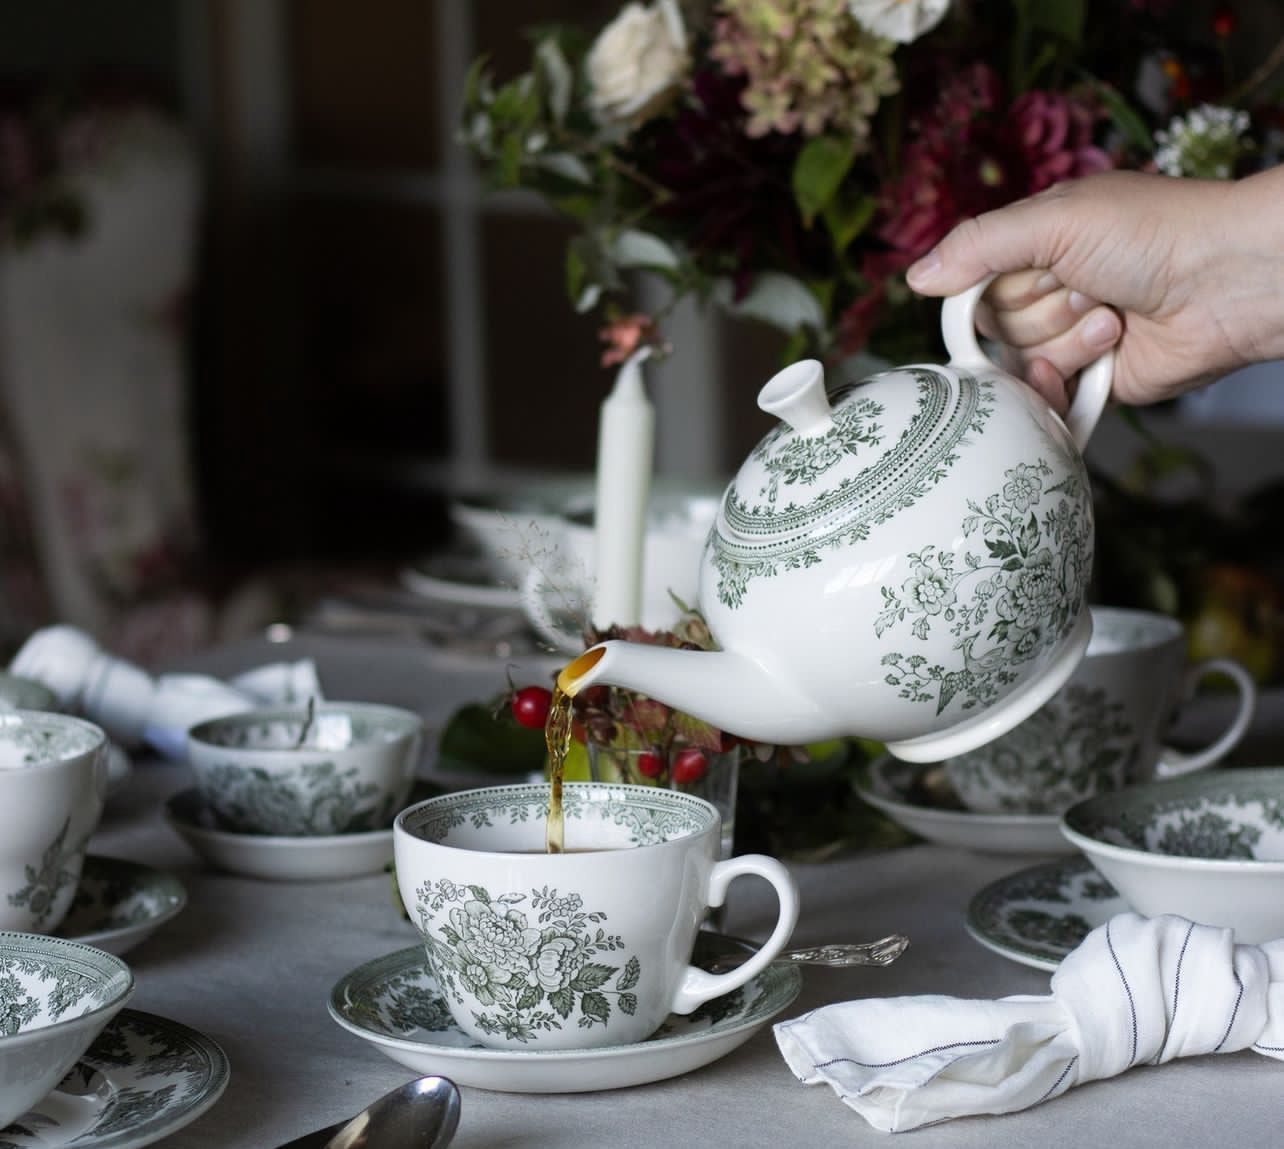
pixel 958 326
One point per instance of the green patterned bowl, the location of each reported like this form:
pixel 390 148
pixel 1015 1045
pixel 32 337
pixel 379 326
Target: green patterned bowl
pixel 1208 847
pixel 55 998
pixel 269 772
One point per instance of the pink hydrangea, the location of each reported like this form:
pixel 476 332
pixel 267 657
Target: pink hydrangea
pixel 1055 134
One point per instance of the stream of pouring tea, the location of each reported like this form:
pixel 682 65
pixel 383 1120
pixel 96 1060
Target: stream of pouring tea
pixel 557 738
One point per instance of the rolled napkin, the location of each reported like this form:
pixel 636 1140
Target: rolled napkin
pixel 1136 991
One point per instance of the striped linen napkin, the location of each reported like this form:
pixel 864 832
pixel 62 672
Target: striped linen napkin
pixel 1136 991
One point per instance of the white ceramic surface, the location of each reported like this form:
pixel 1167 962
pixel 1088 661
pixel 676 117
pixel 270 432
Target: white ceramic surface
pixel 53 780
pixel 557 591
pixel 19 693
pixel 903 559
pixel 144 1078
pixel 584 948
pixel 1208 847
pixel 119 904
pixel 890 786
pixel 395 1003
pixel 312 858
pixel 1105 727
pixel 353 771
pixel 1036 916
pixel 56 996
pixel 460 581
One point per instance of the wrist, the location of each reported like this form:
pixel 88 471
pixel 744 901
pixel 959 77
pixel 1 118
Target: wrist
pixel 1252 303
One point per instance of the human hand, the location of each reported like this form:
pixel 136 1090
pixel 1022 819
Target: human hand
pixel 1181 274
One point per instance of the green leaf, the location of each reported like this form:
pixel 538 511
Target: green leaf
pixel 596 1006
pixel 819 171
pixel 477 740
pixel 530 998
pixel 634 248
pixel 480 894
pixel 846 216
pixel 1063 18
pixel 697 732
pixel 775 298
pixel 558 80
pixel 629 975
pixel 1125 117
pixel 567 166
pixel 628 1003
pixel 563 1001
pixel 592 975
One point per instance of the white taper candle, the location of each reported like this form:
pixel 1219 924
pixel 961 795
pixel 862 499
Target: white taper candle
pixel 625 450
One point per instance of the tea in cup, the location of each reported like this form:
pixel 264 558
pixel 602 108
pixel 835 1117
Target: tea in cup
pixel 1104 728
pixel 343 767
pixel 580 949
pixel 53 779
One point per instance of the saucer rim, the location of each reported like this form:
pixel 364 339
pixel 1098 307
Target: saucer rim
pixel 482 1064
pixel 122 938
pixel 154 1127
pixel 1070 866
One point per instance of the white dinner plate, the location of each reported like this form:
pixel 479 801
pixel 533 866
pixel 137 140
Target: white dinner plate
pixel 143 1078
pixel 393 1003
pixel 277 858
pixel 891 786
pixel 1038 915
pixel 120 903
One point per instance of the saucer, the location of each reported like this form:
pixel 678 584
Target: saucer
pixel 393 1003
pixel 143 1078
pixel 120 903
pixel 890 785
pixel 1038 915
pixel 460 580
pixel 283 859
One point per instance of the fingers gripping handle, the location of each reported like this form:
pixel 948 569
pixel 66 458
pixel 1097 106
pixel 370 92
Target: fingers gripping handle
pixel 958 326
pixel 698 986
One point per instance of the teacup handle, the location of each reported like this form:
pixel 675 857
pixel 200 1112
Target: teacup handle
pixel 535 586
pixel 958 327
pixel 698 986
pixel 1173 763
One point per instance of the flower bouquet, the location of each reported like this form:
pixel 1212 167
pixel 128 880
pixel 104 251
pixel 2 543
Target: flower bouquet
pixel 788 159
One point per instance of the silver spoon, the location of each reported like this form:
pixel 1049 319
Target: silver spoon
pixel 882 952
pixel 421 1114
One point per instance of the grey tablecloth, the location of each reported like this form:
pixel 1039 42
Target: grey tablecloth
pixel 251 964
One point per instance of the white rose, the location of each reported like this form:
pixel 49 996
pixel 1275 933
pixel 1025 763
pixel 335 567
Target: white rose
pixel 637 61
pixel 901 20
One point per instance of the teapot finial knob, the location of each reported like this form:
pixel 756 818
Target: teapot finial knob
pixel 797 395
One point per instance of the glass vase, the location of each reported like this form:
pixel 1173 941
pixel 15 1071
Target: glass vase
pixel 718 784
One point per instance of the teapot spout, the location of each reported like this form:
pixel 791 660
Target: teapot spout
pixel 725 689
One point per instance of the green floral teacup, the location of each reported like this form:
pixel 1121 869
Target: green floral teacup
pixel 53 778
pixel 275 771
pixel 1105 728
pixel 586 948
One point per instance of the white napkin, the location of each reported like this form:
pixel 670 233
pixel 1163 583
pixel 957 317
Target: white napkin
pixel 1136 991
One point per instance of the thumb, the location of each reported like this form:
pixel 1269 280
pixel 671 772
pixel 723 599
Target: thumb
pixel 1012 238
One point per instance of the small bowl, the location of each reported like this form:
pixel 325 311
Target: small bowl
pixel 58 996
pixel 353 772
pixel 1208 847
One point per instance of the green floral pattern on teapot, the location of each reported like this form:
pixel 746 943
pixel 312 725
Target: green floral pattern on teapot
pixel 1015 594
pixel 802 510
pixel 530 961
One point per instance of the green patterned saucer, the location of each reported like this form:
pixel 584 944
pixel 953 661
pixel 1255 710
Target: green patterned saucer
pixel 1038 915
pixel 393 1003
pixel 119 903
pixel 142 1079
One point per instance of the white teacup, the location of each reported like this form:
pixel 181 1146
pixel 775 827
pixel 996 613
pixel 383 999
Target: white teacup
pixel 557 595
pixel 53 778
pixel 580 949
pixel 1104 728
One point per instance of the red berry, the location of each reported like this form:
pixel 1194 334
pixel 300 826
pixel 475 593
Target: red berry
pixel 689 766
pixel 650 764
pixel 1223 21
pixel 530 706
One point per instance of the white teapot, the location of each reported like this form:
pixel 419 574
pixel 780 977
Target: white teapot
pixel 903 559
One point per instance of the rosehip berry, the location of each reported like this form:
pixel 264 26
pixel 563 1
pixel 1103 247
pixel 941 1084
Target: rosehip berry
pixel 650 764
pixel 531 705
pixel 689 766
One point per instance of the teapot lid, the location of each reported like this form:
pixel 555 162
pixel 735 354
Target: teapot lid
pixel 840 462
